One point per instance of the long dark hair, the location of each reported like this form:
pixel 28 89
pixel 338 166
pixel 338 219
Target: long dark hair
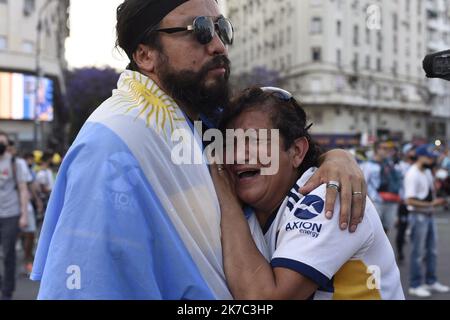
pixel 286 116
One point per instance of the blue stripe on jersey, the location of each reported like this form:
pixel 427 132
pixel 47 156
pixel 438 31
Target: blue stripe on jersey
pixel 316 276
pixel 329 287
pixel 294 196
pixel 269 222
pixel 290 205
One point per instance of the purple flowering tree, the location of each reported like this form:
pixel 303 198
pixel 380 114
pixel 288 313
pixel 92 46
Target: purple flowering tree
pixel 258 76
pixel 87 88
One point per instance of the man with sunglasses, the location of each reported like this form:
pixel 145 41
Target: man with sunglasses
pixel 124 221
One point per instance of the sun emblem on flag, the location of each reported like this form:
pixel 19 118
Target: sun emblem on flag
pixel 154 106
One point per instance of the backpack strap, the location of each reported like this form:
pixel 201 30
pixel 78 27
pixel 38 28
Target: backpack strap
pixel 14 171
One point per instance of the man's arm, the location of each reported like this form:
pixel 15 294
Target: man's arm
pixel 22 178
pixel 23 199
pixel 340 165
pixel 411 190
pixel 425 204
pixel 34 189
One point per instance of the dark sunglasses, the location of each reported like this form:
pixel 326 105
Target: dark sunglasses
pixel 204 29
pixel 283 95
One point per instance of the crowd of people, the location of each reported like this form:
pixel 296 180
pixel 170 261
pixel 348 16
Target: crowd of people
pixel 408 184
pixel 26 181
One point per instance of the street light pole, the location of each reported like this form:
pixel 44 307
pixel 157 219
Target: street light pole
pixel 39 74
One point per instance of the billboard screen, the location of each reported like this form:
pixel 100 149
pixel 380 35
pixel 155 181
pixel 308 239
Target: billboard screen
pixel 18 97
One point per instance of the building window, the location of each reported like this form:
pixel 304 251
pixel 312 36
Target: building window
pixel 356 35
pixel 316 85
pixel 339 57
pixel 316 54
pixel 379 41
pixel 317 116
pixel 316 25
pixel 28 47
pixel 3 42
pixel 395 44
pixel 339 28
pixel 395 21
pixel 356 62
pixel 28 7
pixel 368 63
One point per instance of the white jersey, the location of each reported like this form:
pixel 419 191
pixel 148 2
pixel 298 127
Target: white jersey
pixel 403 168
pixel 344 265
pixel 419 185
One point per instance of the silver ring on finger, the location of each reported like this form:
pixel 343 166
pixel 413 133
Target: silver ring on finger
pixel 357 193
pixel 334 185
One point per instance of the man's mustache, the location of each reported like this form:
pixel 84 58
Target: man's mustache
pixel 218 62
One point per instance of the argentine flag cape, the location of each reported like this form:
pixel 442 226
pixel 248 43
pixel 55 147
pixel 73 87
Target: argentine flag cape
pixel 125 222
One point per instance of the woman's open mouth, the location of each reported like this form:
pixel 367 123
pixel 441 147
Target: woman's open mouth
pixel 248 174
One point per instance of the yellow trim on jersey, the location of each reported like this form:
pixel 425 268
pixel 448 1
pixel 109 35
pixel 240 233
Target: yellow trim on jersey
pixel 350 283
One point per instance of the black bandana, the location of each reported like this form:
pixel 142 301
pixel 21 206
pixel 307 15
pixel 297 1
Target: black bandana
pixel 150 15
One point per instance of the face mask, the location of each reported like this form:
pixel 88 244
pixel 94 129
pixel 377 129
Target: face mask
pixel 2 149
pixel 429 166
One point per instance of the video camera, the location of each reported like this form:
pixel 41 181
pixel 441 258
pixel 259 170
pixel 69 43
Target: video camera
pixel 437 65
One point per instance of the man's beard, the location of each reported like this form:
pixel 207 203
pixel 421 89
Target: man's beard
pixel 190 90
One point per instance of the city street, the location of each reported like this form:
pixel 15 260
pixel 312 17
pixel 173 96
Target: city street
pixel 443 221
pixel 27 290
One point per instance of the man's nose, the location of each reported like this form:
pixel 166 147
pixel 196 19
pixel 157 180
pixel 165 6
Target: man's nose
pixel 217 47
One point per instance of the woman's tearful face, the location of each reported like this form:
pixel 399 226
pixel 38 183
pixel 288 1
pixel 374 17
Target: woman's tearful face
pixel 253 185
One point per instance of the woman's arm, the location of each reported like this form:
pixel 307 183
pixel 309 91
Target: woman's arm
pixel 249 275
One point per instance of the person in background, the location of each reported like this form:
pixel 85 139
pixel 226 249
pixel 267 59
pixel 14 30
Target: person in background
pixel 409 157
pixel 35 206
pixel 383 183
pixel 27 234
pixel 443 173
pixel 445 161
pixel 29 159
pixel 422 203
pixel 45 178
pixel 13 212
